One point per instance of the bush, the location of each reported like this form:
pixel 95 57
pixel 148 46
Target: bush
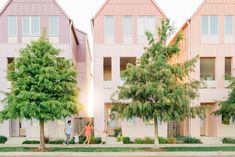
pixel 56 142
pixel 162 140
pixel 82 139
pixel 126 140
pixel 171 140
pixel 148 140
pixel 95 140
pixel 119 138
pixel 228 140
pixel 117 132
pixel 31 142
pixel 138 141
pixel 189 140
pixel 3 139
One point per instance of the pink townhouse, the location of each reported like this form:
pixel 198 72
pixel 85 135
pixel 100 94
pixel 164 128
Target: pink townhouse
pixel 210 34
pixel 22 21
pixel 119 29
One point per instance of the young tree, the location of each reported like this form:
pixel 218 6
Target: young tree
pixel 227 107
pixel 43 86
pixel 156 89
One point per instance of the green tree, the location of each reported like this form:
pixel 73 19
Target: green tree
pixel 43 86
pixel 227 107
pixel 156 89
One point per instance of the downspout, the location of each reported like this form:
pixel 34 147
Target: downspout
pixel 189 57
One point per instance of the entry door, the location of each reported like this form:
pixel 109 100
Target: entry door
pixel 14 128
pixel 22 127
pixel 111 119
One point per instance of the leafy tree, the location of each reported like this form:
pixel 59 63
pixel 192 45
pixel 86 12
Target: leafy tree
pixel 43 86
pixel 227 107
pixel 155 88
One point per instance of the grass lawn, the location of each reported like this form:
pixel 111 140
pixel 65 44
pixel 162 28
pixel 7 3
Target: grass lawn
pixel 125 149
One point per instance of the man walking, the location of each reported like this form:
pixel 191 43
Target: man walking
pixel 68 130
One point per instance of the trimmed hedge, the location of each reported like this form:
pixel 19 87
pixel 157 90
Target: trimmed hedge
pixel 228 140
pixel 188 140
pixel 3 139
pixel 31 142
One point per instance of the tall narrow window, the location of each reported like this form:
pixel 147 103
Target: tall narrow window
pixel 207 69
pixel 145 24
pixel 210 25
pixel 109 29
pixel 228 25
pixel 127 30
pixel 228 67
pixel 12 26
pixel 107 68
pixel 54 26
pixel 31 26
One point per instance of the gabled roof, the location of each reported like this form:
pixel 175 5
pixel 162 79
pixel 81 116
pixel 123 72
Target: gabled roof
pixel 107 1
pixel 60 8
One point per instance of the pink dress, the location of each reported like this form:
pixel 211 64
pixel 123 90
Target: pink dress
pixel 88 130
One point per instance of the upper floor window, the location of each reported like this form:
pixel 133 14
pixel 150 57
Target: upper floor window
pixel 31 25
pixel 127 30
pixel 109 29
pixel 145 24
pixel 54 26
pixel 210 25
pixel 12 26
pixel 228 25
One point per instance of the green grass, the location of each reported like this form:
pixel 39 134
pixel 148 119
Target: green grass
pixel 123 149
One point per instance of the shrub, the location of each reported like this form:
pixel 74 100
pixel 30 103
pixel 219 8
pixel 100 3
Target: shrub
pixel 3 139
pixel 162 140
pixel 148 140
pixel 172 140
pixel 138 141
pixel 191 140
pixel 117 132
pixel 119 138
pixel 228 140
pixel 31 142
pixel 60 141
pixel 95 140
pixel 82 139
pixel 126 140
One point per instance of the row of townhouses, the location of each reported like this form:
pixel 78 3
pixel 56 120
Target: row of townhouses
pixel 119 29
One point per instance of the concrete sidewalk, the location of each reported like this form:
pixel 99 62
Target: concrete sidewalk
pixel 135 154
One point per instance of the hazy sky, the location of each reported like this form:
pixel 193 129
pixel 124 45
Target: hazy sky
pixel 81 11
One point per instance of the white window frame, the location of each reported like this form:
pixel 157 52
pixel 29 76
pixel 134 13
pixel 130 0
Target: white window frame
pixel 209 25
pixel 127 39
pixel 58 27
pixel 30 27
pixel 109 39
pixel 8 22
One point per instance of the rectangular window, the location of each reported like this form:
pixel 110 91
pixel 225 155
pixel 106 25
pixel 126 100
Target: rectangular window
pixel 107 68
pixel 228 25
pixel 207 69
pixel 31 26
pixel 145 24
pixel 228 67
pixel 210 25
pixel 54 26
pixel 127 29
pixel 12 26
pixel 109 29
pixel 124 61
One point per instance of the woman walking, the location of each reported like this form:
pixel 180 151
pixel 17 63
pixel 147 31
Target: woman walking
pixel 88 128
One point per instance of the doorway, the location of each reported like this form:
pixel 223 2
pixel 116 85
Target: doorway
pixel 18 128
pixel 112 120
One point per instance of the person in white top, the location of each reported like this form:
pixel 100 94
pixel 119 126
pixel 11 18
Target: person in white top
pixel 68 131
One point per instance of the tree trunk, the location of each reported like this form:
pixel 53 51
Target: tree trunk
pixel 42 136
pixel 156 141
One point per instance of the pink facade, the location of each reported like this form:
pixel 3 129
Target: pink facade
pixel 118 31
pixel 72 42
pixel 210 34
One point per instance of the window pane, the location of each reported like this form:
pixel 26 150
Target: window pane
pixel 141 27
pixel 214 25
pixel 26 26
pixel 35 26
pixel 12 26
pixel 127 26
pixel 228 25
pixel 109 26
pixel 205 25
pixel 107 65
pixel 207 69
pixel 54 26
pixel 150 24
pixel 228 67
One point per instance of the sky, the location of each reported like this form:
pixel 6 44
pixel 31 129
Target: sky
pixel 82 11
